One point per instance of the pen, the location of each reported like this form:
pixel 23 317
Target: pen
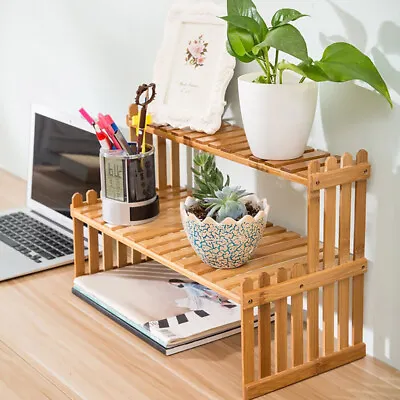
pixel 101 137
pixel 119 136
pixel 109 130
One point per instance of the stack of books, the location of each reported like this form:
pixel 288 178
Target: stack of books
pixel 160 306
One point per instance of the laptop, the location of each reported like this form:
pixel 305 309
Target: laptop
pixel 63 160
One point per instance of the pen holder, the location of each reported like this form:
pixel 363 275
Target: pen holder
pixel 128 188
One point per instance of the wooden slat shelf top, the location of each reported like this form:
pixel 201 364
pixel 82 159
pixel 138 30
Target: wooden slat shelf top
pixel 230 142
pixel 165 241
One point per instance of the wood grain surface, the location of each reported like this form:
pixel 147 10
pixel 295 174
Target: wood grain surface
pixel 54 346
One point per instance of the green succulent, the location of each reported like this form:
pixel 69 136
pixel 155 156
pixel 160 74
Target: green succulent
pixel 226 203
pixel 207 177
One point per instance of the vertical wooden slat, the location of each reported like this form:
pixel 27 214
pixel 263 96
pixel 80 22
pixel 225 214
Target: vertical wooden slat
pixel 359 249
pixel 122 253
pixel 79 246
pixel 136 257
pixel 329 261
pixel 107 252
pixel 247 321
pixel 175 165
pixel 149 138
pixel 281 326
pixel 91 198
pixel 297 320
pixel 344 254
pixel 264 331
pixel 161 163
pixel 189 165
pixel 133 110
pixel 313 261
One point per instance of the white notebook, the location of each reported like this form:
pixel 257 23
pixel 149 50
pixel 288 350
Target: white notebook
pixel 160 305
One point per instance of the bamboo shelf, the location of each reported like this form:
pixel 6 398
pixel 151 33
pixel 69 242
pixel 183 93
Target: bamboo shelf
pixel 284 265
pixel 230 142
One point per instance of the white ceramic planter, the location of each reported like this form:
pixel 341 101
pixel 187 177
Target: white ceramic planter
pixel 226 244
pixel 277 118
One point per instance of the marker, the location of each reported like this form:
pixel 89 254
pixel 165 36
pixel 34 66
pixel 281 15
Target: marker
pixel 102 137
pixel 104 141
pixel 103 124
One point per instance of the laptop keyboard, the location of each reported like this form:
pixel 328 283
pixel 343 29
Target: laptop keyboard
pixel 32 238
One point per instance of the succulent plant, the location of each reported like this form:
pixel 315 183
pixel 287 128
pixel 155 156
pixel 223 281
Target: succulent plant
pixel 226 203
pixel 208 178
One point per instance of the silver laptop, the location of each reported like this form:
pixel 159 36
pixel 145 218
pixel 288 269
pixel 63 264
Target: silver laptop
pixel 63 160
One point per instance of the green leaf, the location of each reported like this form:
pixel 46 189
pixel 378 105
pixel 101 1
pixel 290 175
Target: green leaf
pixel 287 39
pixel 246 8
pixel 203 187
pixel 219 180
pixel 209 162
pixel 261 79
pixel 228 180
pixel 195 171
pixel 342 62
pixel 244 59
pixel 240 41
pixel 198 181
pixel 285 15
pixel 313 72
pixel 245 23
pixel 292 67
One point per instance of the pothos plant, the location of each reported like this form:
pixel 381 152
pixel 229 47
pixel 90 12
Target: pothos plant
pixel 251 39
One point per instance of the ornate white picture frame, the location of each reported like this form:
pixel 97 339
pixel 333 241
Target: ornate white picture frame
pixel 193 68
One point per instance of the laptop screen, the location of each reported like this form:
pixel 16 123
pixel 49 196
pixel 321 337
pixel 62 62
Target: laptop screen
pixel 65 161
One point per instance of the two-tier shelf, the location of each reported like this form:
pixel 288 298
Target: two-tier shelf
pixel 284 265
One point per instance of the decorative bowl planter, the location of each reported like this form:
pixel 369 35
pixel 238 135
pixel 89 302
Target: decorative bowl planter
pixel 226 244
pixel 277 118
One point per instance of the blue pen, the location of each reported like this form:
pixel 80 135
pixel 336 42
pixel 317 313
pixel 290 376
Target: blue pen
pixel 119 136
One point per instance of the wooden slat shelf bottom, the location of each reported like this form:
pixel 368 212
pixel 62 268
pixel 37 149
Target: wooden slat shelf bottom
pixel 165 241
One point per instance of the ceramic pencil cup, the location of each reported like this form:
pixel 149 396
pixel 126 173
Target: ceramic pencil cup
pixel 128 186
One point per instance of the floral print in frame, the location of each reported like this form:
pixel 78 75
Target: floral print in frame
pixel 196 52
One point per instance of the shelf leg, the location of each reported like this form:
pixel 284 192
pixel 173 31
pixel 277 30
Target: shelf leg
pixel 247 320
pixel 91 198
pixel 136 257
pixel 121 255
pixel 359 246
pixel 79 247
pixel 107 252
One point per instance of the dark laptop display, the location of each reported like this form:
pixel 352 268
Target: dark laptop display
pixel 65 161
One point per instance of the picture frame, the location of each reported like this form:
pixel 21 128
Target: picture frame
pixel 193 69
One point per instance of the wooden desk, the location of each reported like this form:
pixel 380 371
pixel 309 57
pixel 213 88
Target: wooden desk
pixel 55 346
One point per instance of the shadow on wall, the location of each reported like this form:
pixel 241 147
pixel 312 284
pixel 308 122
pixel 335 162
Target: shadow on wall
pixel 369 123
pixel 388 44
pixel 356 33
pixel 354 117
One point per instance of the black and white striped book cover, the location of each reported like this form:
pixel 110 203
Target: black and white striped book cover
pixel 160 303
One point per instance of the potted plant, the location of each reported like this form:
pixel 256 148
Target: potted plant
pixel 223 223
pixel 278 105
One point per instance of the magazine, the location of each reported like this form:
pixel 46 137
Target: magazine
pixel 161 306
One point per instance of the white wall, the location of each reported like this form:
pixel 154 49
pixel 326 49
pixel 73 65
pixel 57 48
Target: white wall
pixel 68 53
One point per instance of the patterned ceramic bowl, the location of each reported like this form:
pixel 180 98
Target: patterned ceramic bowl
pixel 226 244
